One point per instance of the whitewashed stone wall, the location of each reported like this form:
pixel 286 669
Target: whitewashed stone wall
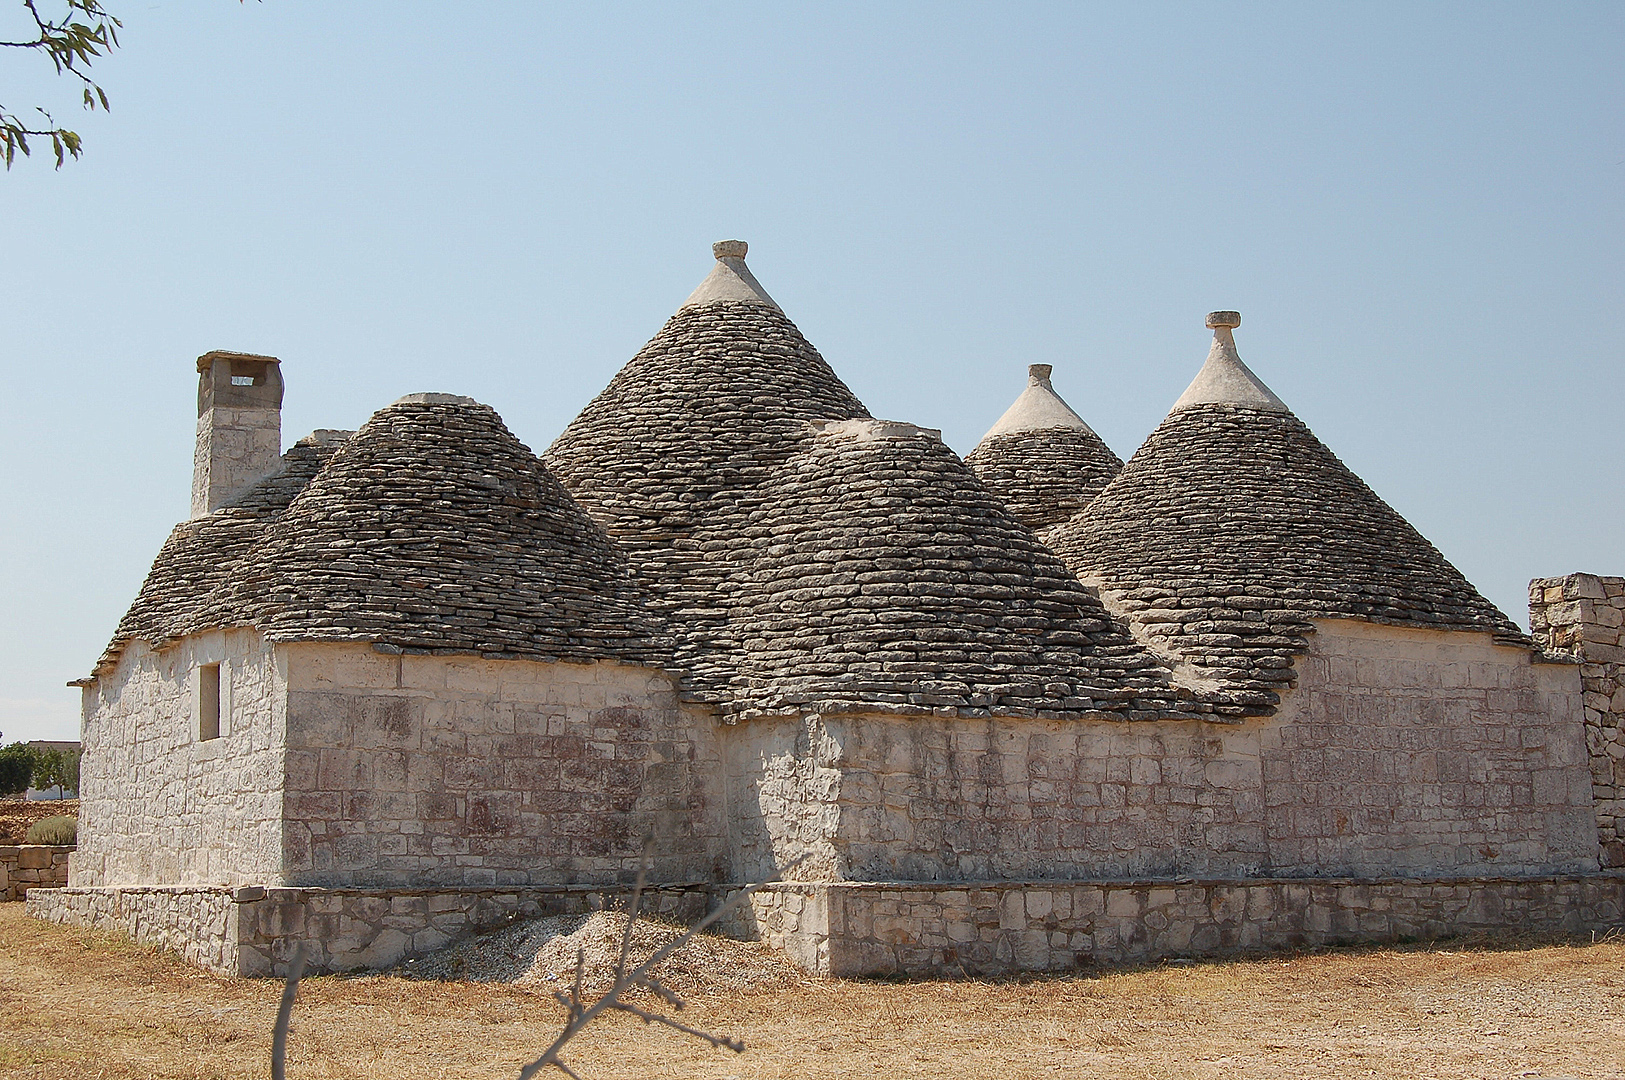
pixel 1401 752
pixel 424 770
pixel 157 804
pixel 1583 616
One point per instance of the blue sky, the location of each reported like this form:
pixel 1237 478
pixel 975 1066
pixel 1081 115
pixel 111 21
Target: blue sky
pixel 1418 209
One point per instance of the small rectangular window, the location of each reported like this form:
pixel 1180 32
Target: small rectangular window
pixel 208 702
pixel 242 380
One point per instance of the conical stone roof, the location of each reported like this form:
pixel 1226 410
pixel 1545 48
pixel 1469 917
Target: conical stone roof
pixel 701 416
pixel 882 577
pixel 1234 526
pixel 1041 458
pixel 434 529
pixel 806 559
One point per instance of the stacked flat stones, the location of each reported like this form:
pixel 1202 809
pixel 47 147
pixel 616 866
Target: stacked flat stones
pixel 199 555
pixel 1234 526
pixel 881 573
pixel 790 582
pixel 1041 459
pixel 434 529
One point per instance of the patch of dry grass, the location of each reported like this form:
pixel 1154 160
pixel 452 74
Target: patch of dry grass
pixel 76 1004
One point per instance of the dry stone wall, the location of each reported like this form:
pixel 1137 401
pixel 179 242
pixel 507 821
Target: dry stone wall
pixel 425 770
pixel 1583 616
pixel 29 866
pixel 159 804
pixel 1401 751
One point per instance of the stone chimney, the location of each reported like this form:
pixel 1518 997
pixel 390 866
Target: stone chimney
pixel 239 426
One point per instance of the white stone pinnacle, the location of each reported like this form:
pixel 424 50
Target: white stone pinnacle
pixel 1038 408
pixel 730 279
pixel 1224 379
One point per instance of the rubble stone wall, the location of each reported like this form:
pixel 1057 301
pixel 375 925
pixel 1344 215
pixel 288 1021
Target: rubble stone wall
pixel 1583 616
pixel 1400 752
pixel 437 771
pixel 29 866
pixel 159 804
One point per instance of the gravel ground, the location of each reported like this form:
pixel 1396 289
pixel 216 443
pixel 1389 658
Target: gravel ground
pixel 540 954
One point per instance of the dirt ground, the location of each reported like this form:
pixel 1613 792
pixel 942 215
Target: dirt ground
pixel 82 1004
pixel 16 815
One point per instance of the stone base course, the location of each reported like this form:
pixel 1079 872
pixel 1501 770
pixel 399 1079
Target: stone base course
pixel 26 866
pixel 996 928
pixel 852 929
pixel 253 930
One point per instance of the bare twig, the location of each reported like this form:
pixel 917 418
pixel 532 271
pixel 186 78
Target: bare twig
pixel 647 1017
pixel 639 976
pixel 284 1012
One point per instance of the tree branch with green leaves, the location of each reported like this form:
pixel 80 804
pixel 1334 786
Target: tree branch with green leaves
pixel 73 41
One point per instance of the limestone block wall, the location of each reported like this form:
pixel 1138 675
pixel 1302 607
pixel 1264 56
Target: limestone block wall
pixel 1419 752
pixel 1400 752
pixel 426 770
pixel 157 803
pixel 235 447
pixel 31 866
pixel 1583 616
pixel 886 798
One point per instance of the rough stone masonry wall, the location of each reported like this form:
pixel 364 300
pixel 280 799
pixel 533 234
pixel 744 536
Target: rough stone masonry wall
pixel 1402 751
pixel 413 770
pixel 157 805
pixel 29 866
pixel 1583 616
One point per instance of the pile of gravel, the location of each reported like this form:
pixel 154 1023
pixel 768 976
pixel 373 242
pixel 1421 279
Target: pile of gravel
pixel 540 954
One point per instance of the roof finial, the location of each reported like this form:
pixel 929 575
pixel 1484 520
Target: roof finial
pixel 1224 379
pixel 1038 374
pixel 730 249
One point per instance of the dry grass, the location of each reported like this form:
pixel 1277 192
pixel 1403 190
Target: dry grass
pixel 80 1004
pixel 16 815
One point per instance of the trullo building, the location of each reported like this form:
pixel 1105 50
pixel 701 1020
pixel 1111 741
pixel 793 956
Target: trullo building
pixel 1033 709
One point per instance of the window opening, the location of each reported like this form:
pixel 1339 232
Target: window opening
pixel 208 702
pixel 242 380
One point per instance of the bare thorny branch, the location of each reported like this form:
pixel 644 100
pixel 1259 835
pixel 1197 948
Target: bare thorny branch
pixel 579 1013
pixel 72 46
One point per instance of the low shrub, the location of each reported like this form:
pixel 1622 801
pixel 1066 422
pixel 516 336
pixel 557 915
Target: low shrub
pixel 60 829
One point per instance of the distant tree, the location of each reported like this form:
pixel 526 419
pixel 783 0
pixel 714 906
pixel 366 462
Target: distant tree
pixel 72 41
pixel 16 768
pixel 56 769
